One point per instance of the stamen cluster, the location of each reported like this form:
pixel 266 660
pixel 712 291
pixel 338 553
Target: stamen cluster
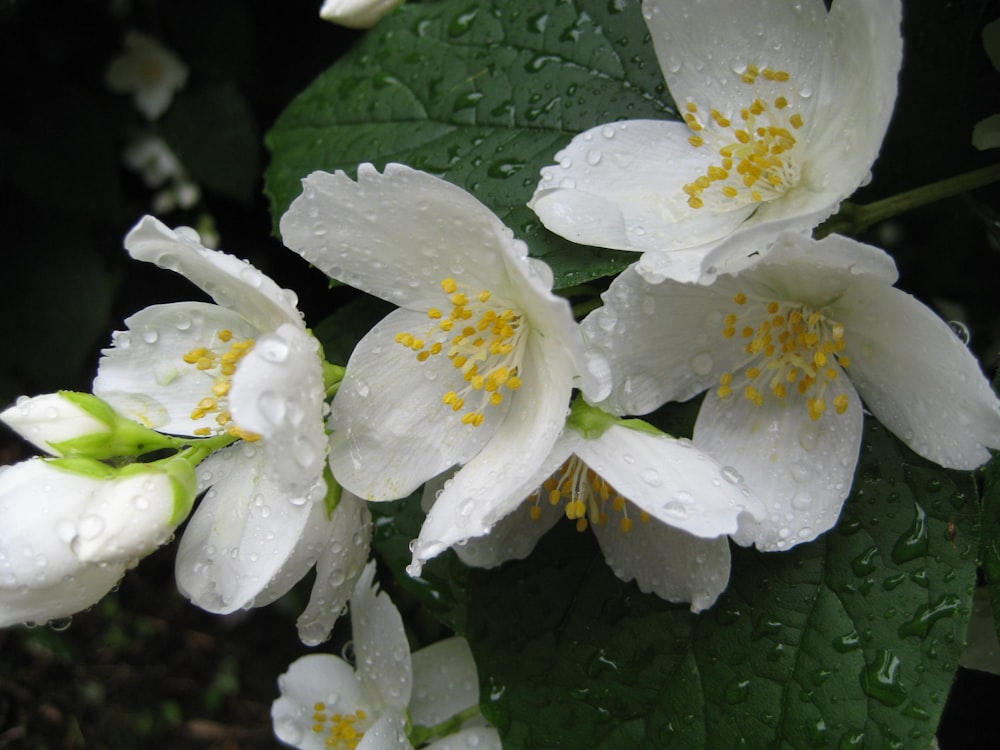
pixel 223 366
pixel 341 731
pixel 483 346
pixel 586 495
pixel 757 157
pixel 790 346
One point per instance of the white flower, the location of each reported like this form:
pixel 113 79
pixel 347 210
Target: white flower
pixel 986 133
pixel 357 14
pixel 784 107
pixel 150 71
pixel 69 528
pixel 326 705
pixel 246 365
pixel 661 509
pixel 151 158
pixel 475 368
pixel 249 542
pixel 781 348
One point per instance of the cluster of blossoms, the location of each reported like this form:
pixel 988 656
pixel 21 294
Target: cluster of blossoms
pixel 483 388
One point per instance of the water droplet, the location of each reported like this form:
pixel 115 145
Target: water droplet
pixel 272 406
pixel 915 540
pixel 731 475
pixel 651 477
pixel 150 336
pixel 594 157
pixel 273 350
pixel 141 502
pixel 701 363
pixel 922 620
pixel 737 691
pixel 881 679
pixel 90 527
pixel 60 624
pixel 961 330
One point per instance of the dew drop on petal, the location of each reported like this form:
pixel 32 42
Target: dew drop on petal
pixel 701 363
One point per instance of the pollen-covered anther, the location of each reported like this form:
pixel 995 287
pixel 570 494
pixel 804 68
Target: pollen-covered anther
pixel 757 156
pixel 339 731
pixel 588 499
pixel 222 363
pixel 480 336
pixel 788 344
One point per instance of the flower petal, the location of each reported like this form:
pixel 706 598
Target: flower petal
pixel 445 682
pixel 668 562
pixel 387 733
pixel 231 282
pixel 144 376
pixel 310 679
pixel 383 652
pixel 278 393
pixel 386 398
pixel 663 340
pixel 243 533
pixel 856 94
pixel 510 466
pixel 481 738
pixel 801 469
pixel 917 377
pixel 398 234
pixel 620 186
pixel 337 570
pixel 671 480
pixel 704 47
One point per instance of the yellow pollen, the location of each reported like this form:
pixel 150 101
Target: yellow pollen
pixel 221 365
pixel 587 498
pixel 786 343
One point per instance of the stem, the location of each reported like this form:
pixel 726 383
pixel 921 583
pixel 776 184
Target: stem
pixel 332 375
pixel 855 219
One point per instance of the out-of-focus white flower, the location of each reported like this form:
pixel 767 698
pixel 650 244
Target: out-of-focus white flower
pixel 785 106
pixel 325 703
pixel 149 71
pixel 781 348
pixel 986 133
pixel 660 508
pixel 69 528
pixel 357 14
pixel 476 366
pixel 153 160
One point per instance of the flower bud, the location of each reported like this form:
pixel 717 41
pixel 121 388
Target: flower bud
pixel 356 14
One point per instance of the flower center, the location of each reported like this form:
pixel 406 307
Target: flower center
pixel 587 496
pixel 222 365
pixel 756 155
pixel 339 730
pixel 791 346
pixel 481 336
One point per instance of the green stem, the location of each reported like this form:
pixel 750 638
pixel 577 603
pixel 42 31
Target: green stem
pixel 853 219
pixel 332 375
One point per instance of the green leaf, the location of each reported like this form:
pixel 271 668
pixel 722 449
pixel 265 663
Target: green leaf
pixel 482 94
pixel 213 132
pixel 849 641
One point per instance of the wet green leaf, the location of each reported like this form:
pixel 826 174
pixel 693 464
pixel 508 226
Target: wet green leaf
pixel 482 94
pixel 849 641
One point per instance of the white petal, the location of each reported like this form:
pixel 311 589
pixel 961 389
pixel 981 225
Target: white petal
pixel 387 733
pixel 508 468
pixel 383 652
pixel 619 186
pixel 397 235
pixel 41 508
pixel 856 94
pixel 310 679
pixel 128 517
pixel 801 469
pixel 704 47
pixel 143 375
pixel 337 570
pixel 445 682
pixel 668 562
pixel 231 282
pixel 917 377
pixel 242 534
pixel 278 393
pixel 674 482
pixel 664 341
pixel 480 738
pixel 986 133
pixel 386 398
pixel 819 272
